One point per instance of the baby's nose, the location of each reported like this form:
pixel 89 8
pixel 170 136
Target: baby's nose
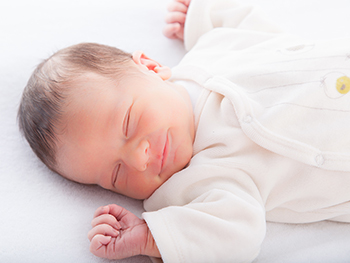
pixel 139 157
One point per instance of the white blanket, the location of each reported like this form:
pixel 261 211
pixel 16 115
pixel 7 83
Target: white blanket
pixel 45 218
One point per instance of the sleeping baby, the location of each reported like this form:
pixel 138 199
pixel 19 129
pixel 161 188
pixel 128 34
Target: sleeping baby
pixel 249 127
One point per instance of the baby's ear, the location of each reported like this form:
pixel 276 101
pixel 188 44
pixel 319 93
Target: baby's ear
pixel 142 60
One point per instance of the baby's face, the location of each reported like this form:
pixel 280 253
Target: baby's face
pixel 128 136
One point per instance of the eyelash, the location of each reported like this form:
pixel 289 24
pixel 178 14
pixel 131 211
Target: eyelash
pixel 116 174
pixel 126 123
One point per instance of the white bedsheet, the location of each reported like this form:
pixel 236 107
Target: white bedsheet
pixel 45 218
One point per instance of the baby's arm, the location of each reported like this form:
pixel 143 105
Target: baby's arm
pixel 205 15
pixel 176 18
pixel 117 233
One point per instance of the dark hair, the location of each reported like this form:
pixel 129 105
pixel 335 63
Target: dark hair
pixel 46 92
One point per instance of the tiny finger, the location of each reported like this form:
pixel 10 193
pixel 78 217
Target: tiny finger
pixel 185 2
pixel 177 7
pixel 117 211
pixel 104 229
pixel 101 210
pixel 98 245
pixel 175 17
pixel 106 219
pixel 170 30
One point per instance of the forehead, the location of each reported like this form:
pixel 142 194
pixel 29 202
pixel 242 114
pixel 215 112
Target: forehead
pixel 91 111
pixel 89 83
pixel 90 101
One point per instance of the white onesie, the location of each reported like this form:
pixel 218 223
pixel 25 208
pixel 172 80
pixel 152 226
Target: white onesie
pixel 271 137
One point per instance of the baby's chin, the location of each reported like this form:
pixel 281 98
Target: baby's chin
pixel 180 165
pixel 181 161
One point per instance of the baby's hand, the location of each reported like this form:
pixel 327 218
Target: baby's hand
pixel 117 233
pixel 176 18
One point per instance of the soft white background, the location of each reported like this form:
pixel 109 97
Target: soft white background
pixel 45 218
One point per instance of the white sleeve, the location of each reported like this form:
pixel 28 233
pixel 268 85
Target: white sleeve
pixel 218 226
pixel 204 15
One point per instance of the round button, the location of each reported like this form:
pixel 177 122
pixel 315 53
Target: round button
pixel 343 85
pixel 248 119
pixel 335 84
pixel 296 49
pixel 319 160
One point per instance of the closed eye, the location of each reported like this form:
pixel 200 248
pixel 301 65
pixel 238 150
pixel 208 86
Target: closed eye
pixel 126 122
pixel 115 175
